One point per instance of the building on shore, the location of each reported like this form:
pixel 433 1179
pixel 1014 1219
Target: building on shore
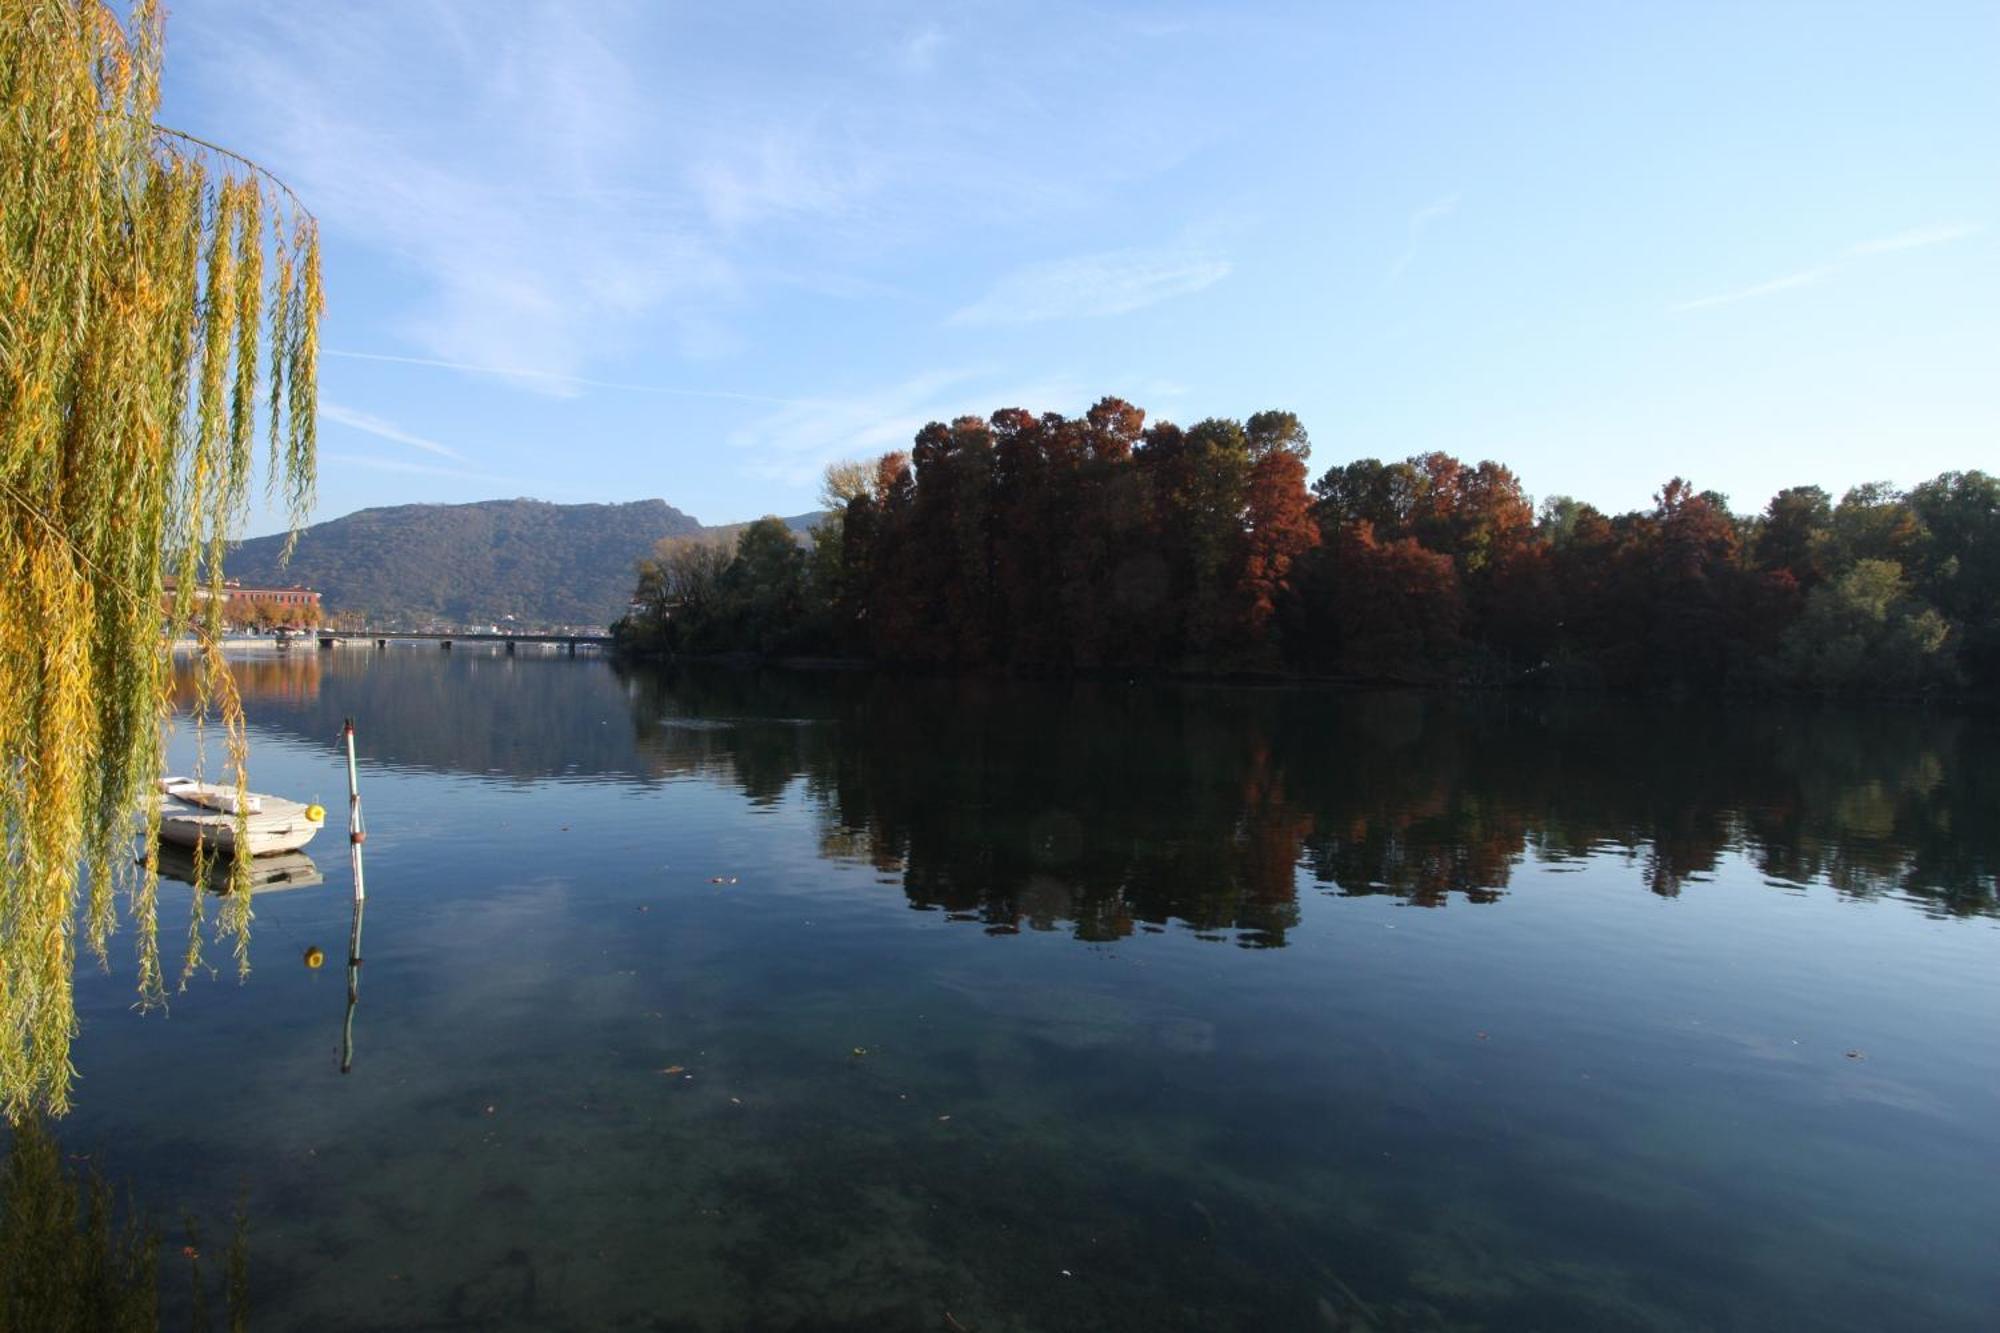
pixel 244 604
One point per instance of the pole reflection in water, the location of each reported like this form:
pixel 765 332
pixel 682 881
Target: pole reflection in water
pixel 353 984
pixel 357 834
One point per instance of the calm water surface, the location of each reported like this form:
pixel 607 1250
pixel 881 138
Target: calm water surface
pixel 1094 1007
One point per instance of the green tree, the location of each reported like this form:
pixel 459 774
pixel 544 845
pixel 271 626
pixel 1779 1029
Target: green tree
pixel 1864 632
pixel 1383 495
pixel 157 296
pixel 1207 518
pixel 1559 519
pixel 1959 569
pixel 1792 536
pixel 835 592
pixel 1873 521
pixel 762 592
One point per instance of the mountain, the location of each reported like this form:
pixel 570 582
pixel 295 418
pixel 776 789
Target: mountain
pixel 544 564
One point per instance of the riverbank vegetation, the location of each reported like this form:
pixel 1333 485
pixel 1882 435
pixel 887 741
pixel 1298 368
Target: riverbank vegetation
pixel 1050 545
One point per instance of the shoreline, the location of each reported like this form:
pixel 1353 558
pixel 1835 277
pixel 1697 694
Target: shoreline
pixel 1244 679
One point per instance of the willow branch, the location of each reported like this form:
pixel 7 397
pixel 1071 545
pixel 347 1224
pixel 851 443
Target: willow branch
pixel 255 166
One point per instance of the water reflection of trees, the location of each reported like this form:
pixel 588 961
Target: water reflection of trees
pixel 291 676
pixel 1102 808
pixel 72 1259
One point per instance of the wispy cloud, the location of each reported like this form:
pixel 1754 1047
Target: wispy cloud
pixel 918 52
pixel 404 466
pixel 778 173
pixel 795 445
pixel 583 184
pixel 1435 211
pixel 560 380
pixel 387 430
pixel 1093 286
pixel 1806 277
pixel 1918 237
pixel 514 173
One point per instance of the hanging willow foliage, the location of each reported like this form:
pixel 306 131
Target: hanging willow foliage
pixel 134 305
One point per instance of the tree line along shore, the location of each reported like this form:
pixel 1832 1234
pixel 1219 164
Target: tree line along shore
pixel 1055 545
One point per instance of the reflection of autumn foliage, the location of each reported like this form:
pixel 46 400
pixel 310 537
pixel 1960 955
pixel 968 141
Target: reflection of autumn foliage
pixel 292 677
pixel 1104 810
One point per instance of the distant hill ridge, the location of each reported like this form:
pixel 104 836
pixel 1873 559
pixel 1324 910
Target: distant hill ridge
pixel 542 563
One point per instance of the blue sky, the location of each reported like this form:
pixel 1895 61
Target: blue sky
pixel 599 251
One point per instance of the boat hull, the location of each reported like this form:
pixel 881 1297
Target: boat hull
pixel 268 834
pixel 189 816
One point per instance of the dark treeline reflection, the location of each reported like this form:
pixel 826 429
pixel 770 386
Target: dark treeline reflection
pixel 1104 809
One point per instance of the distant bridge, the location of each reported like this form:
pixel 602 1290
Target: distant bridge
pixel 382 639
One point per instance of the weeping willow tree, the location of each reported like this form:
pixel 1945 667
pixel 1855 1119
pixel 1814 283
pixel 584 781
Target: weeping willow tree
pixel 159 312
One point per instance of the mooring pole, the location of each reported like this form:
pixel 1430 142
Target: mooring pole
pixel 357 834
pixel 353 991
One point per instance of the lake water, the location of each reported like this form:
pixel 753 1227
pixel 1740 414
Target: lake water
pixel 1103 1006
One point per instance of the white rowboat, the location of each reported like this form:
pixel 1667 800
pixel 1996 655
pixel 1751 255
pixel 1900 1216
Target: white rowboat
pixel 206 812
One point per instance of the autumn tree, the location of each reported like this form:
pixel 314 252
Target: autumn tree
pixel 1025 563
pixel 1102 542
pixel 1396 608
pixel 836 586
pixel 677 598
pixel 894 610
pixel 1279 526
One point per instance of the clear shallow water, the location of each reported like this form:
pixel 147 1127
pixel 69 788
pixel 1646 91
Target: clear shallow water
pixel 1182 1008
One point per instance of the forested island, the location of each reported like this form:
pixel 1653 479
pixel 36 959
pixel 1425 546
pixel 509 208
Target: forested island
pixel 1055 545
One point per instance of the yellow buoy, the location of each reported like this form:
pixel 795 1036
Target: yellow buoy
pixel 315 956
pixel 316 813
